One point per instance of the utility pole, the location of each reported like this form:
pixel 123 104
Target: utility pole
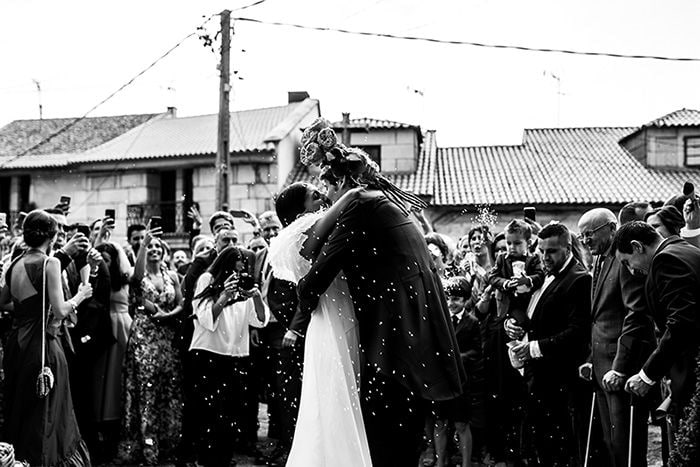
pixel 222 144
pixel 346 129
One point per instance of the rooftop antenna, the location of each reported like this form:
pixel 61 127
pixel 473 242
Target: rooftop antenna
pixel 41 108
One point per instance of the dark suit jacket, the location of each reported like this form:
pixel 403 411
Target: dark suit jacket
pixel 282 301
pixel 673 295
pixel 468 335
pixel 399 301
pixel 622 335
pixel 561 325
pixel 92 333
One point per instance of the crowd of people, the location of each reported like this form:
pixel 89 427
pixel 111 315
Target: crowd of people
pixel 135 354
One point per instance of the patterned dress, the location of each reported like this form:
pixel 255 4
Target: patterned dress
pixel 152 383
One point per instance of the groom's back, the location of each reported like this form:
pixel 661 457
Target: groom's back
pixel 399 301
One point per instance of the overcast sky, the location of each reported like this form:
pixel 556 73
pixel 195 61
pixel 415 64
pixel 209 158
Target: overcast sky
pixel 81 51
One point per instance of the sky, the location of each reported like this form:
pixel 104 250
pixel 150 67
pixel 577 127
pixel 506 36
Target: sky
pixel 81 51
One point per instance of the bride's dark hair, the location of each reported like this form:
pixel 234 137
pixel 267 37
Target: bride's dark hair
pixel 289 203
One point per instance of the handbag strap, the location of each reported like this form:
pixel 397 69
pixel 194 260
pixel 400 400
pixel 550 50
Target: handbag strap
pixel 43 315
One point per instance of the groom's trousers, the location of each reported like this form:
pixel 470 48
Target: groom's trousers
pixel 394 418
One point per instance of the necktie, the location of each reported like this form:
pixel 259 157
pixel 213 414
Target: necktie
pixel 455 321
pixel 596 271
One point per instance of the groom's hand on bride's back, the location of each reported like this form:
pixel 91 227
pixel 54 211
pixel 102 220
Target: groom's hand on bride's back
pixel 289 339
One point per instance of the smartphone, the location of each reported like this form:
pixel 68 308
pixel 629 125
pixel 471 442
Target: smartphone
pixel 3 218
pixel 111 213
pixel 84 229
pixel 530 212
pixel 239 214
pixel 65 200
pixel 20 219
pixel 155 222
pixel 195 205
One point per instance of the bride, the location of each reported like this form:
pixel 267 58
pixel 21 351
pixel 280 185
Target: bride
pixel 330 428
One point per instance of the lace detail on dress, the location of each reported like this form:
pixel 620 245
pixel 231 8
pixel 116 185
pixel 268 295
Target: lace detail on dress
pixel 285 257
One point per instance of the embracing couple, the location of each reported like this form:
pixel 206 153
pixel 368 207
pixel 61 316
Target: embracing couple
pixel 378 343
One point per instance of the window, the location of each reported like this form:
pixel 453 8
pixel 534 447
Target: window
pixel 692 151
pixel 374 152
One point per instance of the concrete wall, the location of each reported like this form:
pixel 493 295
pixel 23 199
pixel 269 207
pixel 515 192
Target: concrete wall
pixel 456 221
pixel 399 148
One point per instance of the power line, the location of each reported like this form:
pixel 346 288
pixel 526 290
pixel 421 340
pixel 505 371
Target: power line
pixel 249 6
pixel 474 44
pixel 70 125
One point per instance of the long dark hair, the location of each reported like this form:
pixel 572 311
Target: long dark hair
pixel 289 203
pixel 116 278
pixel 223 266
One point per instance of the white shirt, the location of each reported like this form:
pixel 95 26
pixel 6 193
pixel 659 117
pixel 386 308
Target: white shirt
pixel 535 351
pixel 228 334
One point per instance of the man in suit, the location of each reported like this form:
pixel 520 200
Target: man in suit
pixel 622 337
pixel 672 267
pixel 554 347
pixel 408 347
pixel 284 362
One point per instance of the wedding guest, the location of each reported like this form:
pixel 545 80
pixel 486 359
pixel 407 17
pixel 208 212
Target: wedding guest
pixel 691 214
pixel 42 428
pixel 477 265
pixel 91 336
pixel 517 273
pixel 556 345
pixel 672 267
pixel 225 305
pixel 622 337
pixel 120 273
pixel 635 211
pixel 135 233
pixel 204 254
pixel 440 252
pixel 666 220
pixel 468 407
pixel 153 373
pixel 504 386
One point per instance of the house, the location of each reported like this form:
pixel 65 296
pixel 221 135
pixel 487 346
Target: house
pixel 165 164
pixel 21 154
pixel 561 171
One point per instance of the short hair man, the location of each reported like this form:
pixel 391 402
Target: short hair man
pixel 135 233
pixel 622 337
pixel 634 211
pixel 672 267
pixel 270 225
pixel 554 347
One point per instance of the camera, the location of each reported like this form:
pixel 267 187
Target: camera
pixel 246 281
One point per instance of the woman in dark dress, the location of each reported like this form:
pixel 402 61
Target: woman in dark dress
pixel 43 430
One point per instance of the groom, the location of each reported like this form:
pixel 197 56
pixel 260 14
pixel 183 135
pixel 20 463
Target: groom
pixel 408 349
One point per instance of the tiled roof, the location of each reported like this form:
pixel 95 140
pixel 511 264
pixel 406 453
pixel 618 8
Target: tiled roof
pixel 682 117
pixel 554 166
pixel 422 182
pixel 372 123
pixel 20 135
pixel 251 131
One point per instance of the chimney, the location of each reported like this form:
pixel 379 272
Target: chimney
pixel 172 112
pixel 297 96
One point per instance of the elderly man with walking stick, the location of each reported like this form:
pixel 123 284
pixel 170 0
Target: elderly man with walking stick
pixel 622 337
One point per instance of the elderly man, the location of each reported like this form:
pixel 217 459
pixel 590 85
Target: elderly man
pixel 555 345
pixel 672 267
pixel 622 337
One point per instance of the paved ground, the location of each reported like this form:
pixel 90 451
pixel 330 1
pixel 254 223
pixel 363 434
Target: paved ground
pixel 265 445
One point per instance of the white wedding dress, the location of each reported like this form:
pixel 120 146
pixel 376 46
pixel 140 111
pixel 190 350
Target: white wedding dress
pixel 330 430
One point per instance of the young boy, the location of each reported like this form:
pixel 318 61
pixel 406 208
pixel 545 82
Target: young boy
pixel 517 273
pixel 467 409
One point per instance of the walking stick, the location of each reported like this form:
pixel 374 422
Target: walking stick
pixel 629 451
pixel 590 428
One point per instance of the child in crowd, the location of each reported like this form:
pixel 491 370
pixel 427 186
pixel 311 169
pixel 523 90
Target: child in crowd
pixel 467 409
pixel 517 273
